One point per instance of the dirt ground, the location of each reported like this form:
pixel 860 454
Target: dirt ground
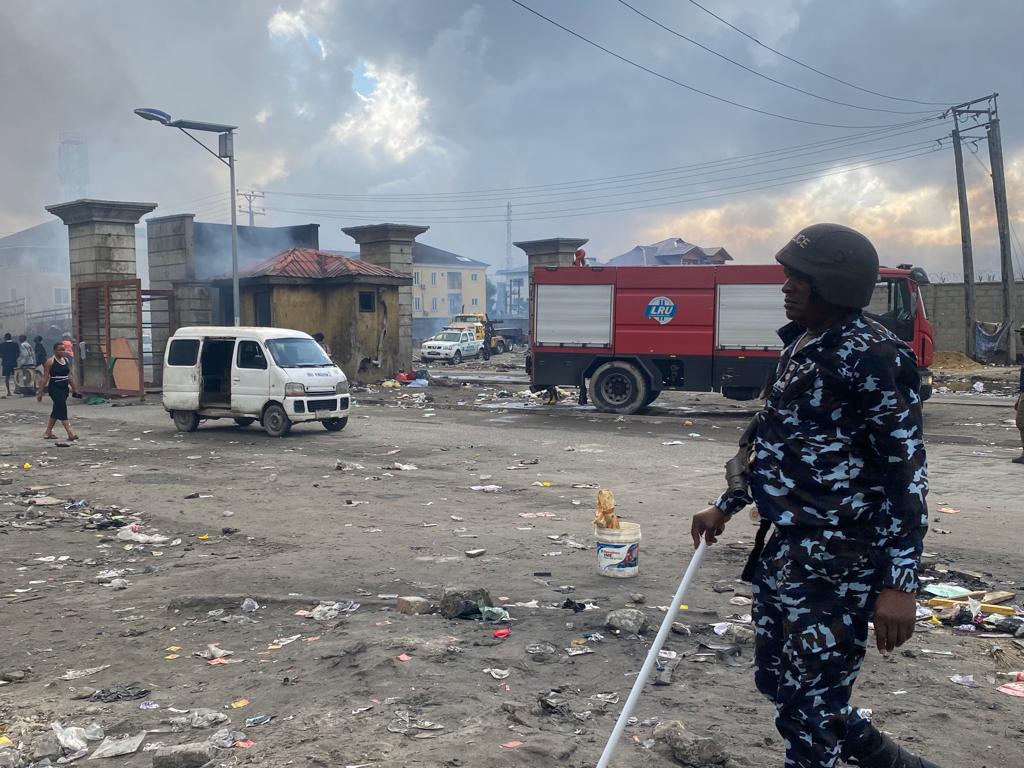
pixel 277 521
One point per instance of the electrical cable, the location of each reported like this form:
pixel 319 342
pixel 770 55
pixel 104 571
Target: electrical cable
pixel 514 193
pixel 692 88
pixel 809 67
pixel 875 154
pixel 606 210
pixel 769 78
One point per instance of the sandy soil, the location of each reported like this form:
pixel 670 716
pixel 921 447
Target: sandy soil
pixel 297 535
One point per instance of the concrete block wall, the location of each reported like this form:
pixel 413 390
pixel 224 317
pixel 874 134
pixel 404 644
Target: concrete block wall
pixel 944 303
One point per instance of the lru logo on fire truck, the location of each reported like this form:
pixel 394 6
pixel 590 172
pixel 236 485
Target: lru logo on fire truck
pixel 660 308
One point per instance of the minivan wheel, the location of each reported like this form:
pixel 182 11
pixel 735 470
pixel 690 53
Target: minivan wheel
pixel 335 425
pixel 186 421
pixel 276 421
pixel 244 421
pixel 618 387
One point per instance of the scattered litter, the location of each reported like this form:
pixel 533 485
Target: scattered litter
pixel 474 553
pixel 965 680
pixel 512 745
pixel 148 704
pixel 1012 689
pixel 249 605
pixel 328 610
pixel 239 703
pixel 402 467
pixel 404 657
pixel 120 693
pixel 740 600
pixel 126 745
pixel 77 674
pixel 213 652
pixel 485 488
pixel 948 511
pixel 226 738
pixel 498 674
pixel 257 720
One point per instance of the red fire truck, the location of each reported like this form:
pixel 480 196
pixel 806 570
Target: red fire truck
pixel 624 335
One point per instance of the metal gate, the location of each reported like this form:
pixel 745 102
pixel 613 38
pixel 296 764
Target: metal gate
pixel 115 355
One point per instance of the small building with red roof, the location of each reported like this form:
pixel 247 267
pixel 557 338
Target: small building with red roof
pixel 353 303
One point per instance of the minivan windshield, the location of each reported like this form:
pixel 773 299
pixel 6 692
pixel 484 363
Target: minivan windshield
pixel 298 353
pixel 448 336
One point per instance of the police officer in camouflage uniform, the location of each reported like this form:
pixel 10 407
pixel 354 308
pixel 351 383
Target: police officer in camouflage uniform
pixel 838 467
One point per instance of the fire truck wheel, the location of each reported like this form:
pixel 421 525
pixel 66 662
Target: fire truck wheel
pixel 618 387
pixel 651 397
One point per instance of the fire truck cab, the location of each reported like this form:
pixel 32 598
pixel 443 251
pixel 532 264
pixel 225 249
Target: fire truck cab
pixel 624 335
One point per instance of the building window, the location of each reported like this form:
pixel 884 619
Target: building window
pixel 417 303
pixel 433 304
pixel 415 278
pixel 475 277
pixel 433 278
pixel 62 297
pixel 454 281
pixel 367 301
pixel 475 302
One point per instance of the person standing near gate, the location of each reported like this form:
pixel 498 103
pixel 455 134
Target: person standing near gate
pixel 838 466
pixel 58 382
pixel 9 352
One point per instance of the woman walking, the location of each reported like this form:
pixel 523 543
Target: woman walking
pixel 58 383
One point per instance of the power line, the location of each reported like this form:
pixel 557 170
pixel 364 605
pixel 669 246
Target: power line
pixel 760 74
pixel 809 67
pixel 605 209
pixel 874 154
pixel 782 153
pixel 694 89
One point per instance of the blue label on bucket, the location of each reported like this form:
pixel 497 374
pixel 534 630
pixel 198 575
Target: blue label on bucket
pixel 617 556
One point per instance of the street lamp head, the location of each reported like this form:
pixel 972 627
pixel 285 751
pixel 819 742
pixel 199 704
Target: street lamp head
pixel 157 115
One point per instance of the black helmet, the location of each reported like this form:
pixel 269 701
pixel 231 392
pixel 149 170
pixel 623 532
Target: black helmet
pixel 841 263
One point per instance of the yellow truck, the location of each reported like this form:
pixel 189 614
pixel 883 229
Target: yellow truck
pixel 483 329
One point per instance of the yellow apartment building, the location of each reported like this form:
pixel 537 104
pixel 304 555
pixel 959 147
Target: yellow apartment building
pixel 444 284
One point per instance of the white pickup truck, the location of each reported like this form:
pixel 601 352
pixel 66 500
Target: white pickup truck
pixel 451 346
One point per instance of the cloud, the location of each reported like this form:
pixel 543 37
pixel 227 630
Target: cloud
pixel 916 222
pixel 389 120
pixel 285 25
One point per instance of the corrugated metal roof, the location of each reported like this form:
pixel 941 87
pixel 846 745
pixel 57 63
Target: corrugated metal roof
pixel 316 265
pixel 428 254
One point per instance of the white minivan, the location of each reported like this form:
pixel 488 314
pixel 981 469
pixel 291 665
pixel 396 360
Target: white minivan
pixel 276 376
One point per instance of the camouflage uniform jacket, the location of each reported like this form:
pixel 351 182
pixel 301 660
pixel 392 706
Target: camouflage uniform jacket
pixel 839 451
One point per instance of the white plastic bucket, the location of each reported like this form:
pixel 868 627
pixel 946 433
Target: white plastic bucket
pixel 618 550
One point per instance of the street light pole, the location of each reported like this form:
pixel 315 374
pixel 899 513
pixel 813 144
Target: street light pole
pixel 226 155
pixel 235 300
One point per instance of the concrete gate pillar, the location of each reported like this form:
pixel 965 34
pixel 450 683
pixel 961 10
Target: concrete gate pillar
pixel 552 252
pixel 390 245
pixel 101 239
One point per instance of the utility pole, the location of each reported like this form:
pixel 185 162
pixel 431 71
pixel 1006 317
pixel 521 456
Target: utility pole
pixel 508 259
pixel 249 197
pixel 965 243
pixel 995 151
pixel 987 118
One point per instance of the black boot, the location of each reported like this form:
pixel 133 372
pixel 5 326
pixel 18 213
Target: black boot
pixel 873 749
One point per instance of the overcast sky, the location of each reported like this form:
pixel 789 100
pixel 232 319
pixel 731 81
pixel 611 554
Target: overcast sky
pixel 432 97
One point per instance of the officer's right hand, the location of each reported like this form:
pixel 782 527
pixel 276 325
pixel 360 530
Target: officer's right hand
pixel 708 524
